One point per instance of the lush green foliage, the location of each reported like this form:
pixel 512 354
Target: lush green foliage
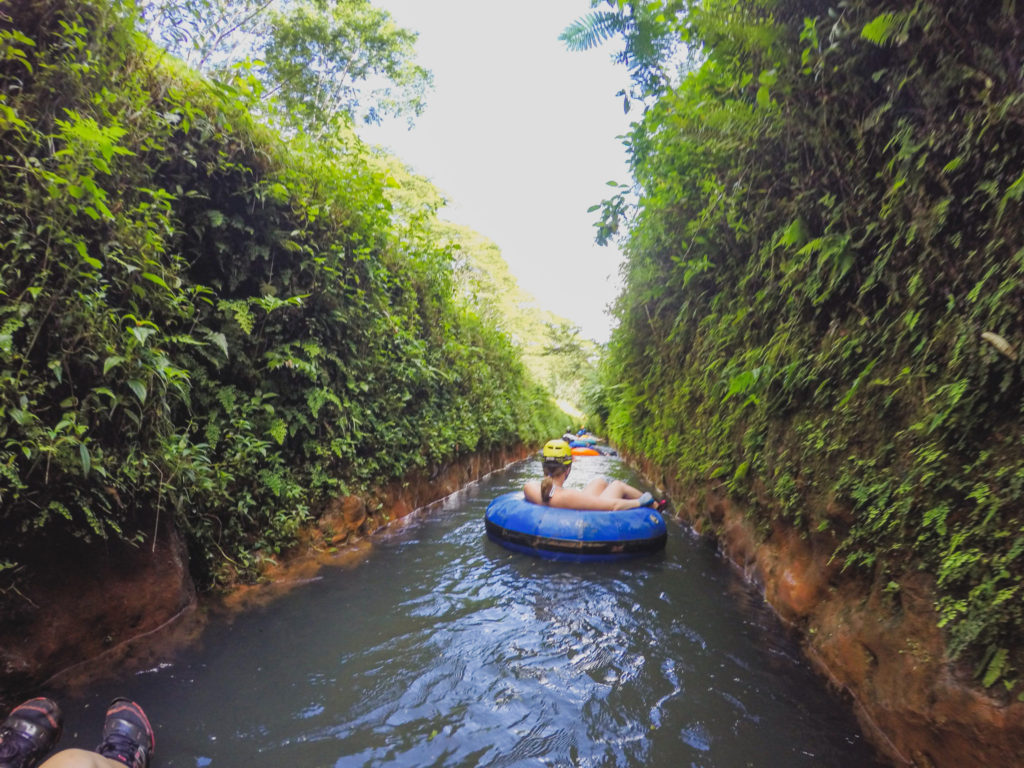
pixel 824 292
pixel 203 322
pixel 552 349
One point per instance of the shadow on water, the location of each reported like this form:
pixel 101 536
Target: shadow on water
pixel 441 648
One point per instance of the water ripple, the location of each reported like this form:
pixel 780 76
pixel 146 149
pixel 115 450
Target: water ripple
pixel 443 649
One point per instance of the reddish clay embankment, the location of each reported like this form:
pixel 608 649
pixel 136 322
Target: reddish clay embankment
pixel 85 602
pixel 880 646
pixel 92 610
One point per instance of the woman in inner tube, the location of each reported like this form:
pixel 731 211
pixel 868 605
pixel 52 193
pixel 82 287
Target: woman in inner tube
pixel 599 493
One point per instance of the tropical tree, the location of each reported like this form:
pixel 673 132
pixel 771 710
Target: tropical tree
pixel 322 63
pixel 570 358
pixel 651 41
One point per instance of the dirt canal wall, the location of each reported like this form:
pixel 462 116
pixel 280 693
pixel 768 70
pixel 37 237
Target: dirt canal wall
pixel 95 607
pixel 877 643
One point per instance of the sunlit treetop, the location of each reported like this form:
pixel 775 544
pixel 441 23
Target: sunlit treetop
pixel 314 65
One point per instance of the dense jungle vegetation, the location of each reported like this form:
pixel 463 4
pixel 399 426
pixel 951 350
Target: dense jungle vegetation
pixel 823 306
pixel 217 306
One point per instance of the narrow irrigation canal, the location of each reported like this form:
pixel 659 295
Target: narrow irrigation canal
pixel 440 648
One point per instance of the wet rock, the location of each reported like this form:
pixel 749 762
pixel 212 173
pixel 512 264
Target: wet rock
pixel 399 509
pixel 793 581
pixel 353 510
pixel 737 543
pixel 87 602
pixel 341 518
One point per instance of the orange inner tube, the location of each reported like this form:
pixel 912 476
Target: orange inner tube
pixel 585 452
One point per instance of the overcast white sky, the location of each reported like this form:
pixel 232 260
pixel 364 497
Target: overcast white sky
pixel 521 135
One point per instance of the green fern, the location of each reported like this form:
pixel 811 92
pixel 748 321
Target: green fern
pixel 887 28
pixel 594 29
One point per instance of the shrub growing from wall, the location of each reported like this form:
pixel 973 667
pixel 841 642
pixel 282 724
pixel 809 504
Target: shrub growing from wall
pixel 205 319
pixel 824 299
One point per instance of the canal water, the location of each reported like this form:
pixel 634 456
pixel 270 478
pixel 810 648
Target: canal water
pixel 440 648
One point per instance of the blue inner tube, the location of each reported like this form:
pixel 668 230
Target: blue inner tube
pixel 573 534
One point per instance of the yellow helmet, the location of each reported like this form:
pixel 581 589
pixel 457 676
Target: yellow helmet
pixel 557 451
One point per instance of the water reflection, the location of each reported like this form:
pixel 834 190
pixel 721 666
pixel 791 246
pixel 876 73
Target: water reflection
pixel 443 649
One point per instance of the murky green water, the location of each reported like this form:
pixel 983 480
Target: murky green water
pixel 441 648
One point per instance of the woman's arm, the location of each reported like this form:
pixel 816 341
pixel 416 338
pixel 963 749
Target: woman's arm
pixel 532 492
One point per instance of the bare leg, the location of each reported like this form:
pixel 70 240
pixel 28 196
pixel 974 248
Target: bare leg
pixel 617 489
pixel 596 487
pixel 79 758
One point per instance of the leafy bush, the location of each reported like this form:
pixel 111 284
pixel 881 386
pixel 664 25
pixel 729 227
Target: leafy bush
pixel 823 288
pixel 203 318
